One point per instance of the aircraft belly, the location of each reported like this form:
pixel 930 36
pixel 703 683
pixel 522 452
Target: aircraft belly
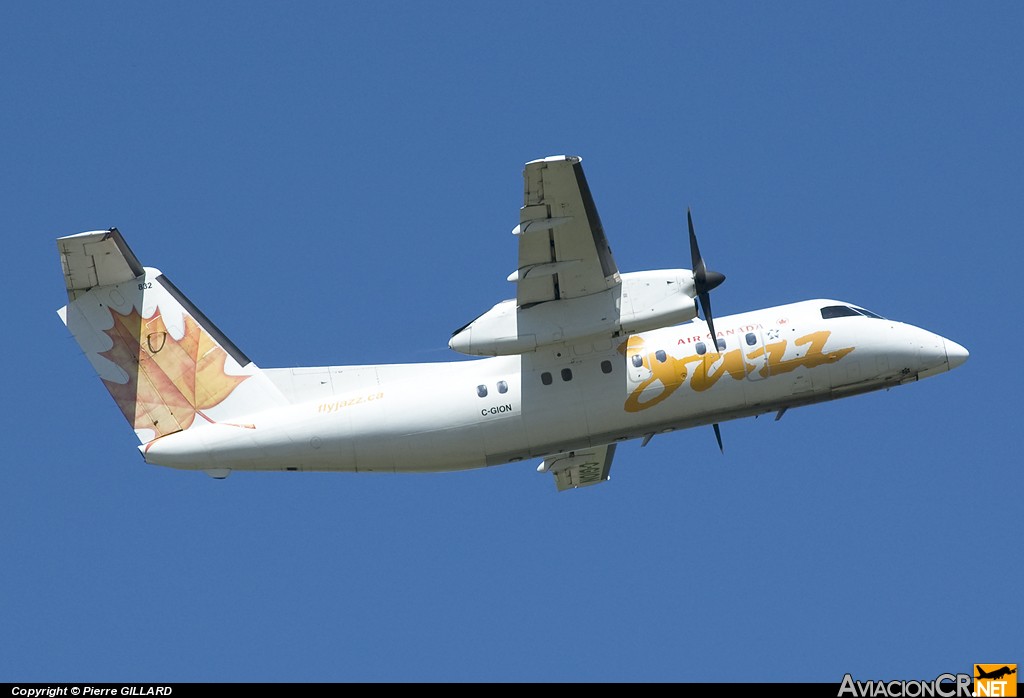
pixel 440 450
pixel 285 439
pixel 504 437
pixel 554 418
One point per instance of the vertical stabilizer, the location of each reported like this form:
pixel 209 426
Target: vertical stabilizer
pixel 165 364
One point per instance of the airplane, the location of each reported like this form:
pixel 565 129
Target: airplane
pixel 583 358
pixel 995 674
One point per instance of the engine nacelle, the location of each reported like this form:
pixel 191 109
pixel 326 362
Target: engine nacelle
pixel 644 300
pixel 653 299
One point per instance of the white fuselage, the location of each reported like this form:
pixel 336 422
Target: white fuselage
pixel 468 414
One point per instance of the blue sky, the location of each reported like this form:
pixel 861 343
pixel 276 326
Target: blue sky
pixel 334 183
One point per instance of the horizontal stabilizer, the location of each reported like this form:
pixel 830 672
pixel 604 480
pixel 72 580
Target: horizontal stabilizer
pixel 96 258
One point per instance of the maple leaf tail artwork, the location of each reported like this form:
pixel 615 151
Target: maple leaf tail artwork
pixel 170 381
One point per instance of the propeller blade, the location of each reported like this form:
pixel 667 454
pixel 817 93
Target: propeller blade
pixel 718 435
pixel 697 262
pixel 705 304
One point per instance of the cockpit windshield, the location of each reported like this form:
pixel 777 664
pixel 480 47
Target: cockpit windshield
pixel 833 311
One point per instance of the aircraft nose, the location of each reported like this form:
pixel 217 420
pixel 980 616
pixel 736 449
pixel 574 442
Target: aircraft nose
pixel 955 354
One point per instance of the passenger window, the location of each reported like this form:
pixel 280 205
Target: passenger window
pixel 751 339
pixel 567 374
pixel 701 348
pixel 502 387
pixel 606 366
pixel 638 360
pixel 545 378
pixel 481 390
pixel 660 356
pixel 721 345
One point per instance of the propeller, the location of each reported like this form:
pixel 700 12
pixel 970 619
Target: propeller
pixel 704 282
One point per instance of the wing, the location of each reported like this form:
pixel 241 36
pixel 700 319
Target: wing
pixel 563 252
pixel 580 468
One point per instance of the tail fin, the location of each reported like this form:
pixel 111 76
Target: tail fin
pixel 163 361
